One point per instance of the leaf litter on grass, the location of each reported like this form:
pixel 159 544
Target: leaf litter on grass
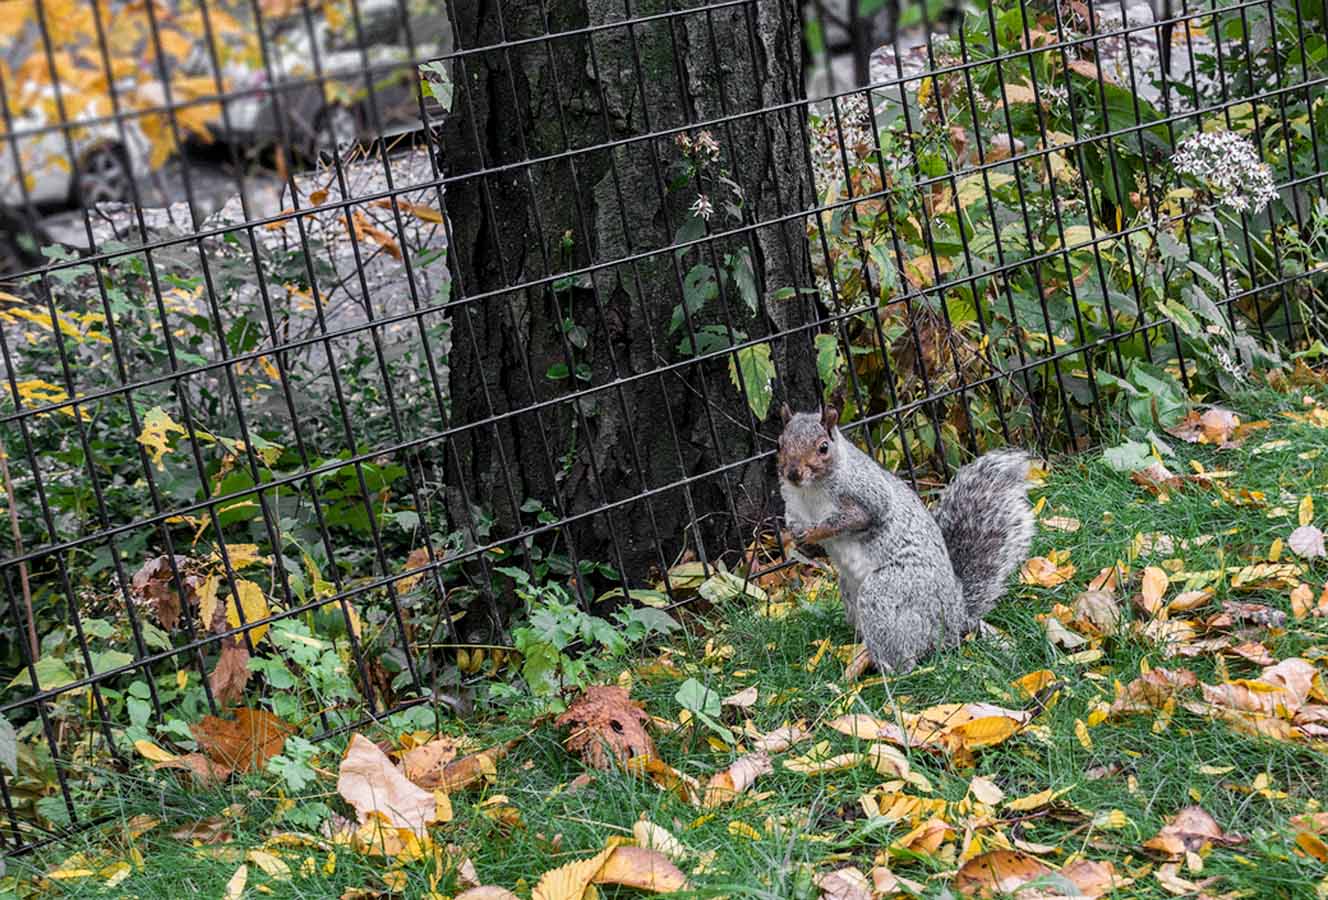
pixel 897 786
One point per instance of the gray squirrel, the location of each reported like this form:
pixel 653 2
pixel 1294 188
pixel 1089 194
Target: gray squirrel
pixel 912 582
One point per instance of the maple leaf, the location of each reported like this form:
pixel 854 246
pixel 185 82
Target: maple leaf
pixel 156 434
pixel 244 743
pixel 606 726
pixel 230 676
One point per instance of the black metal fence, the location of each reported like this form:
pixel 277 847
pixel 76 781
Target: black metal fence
pixel 375 322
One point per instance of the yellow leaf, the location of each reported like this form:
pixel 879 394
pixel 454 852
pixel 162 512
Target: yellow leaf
pixel 151 751
pixel 235 887
pixel 742 829
pixel 254 606
pixel 1035 801
pixel 271 864
pixel 1081 732
pixel 207 601
pixel 569 882
pixel 1305 512
pixel 155 436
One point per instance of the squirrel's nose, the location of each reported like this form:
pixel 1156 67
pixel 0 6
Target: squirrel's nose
pixel 794 475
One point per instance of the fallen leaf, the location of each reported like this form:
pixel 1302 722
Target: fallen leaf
pixel 1099 610
pixel 653 837
pixel 998 872
pixel 1214 426
pixel 1043 572
pixel 468 770
pixel 569 882
pixel 244 743
pixel 986 791
pixel 642 869
pixel 487 892
pixel 844 884
pixel 742 699
pixel 780 739
pixel 235 886
pixel 272 865
pixel 726 785
pixel 1306 542
pixel 206 773
pixel 1151 691
pixel 1088 70
pixel 1189 831
pixel 1152 589
pixel 887 883
pixel 368 781
pixel 606 727
pixel 424 761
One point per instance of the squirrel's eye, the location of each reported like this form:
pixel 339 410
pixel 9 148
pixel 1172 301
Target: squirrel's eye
pixel 824 448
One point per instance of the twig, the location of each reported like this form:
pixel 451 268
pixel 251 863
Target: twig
pixel 18 551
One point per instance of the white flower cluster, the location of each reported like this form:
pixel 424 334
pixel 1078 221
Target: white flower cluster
pixel 853 132
pixel 1229 165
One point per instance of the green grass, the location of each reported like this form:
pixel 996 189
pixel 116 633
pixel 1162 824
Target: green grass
pixel 824 826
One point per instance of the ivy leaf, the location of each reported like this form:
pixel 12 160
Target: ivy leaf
pixel 740 264
pixel 757 373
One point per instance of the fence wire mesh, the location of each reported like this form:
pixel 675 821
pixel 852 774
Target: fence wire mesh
pixel 336 332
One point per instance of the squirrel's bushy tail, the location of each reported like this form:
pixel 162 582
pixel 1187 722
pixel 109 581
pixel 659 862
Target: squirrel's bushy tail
pixel 988 525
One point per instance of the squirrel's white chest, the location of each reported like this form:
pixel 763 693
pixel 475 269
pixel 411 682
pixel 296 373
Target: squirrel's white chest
pixel 809 506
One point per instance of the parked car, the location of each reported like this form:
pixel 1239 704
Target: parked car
pixel 78 160
pixel 330 85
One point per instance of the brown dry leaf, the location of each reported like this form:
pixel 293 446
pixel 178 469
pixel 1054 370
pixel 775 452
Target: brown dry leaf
pixel 1157 479
pixel 1306 542
pixel 1279 691
pixel 861 726
pixel 607 727
pixel 642 869
pixel 780 739
pixel 1188 600
pixel 569 882
pixel 1236 611
pixel 487 892
pixel 1043 572
pixel 726 785
pixel 418 559
pixel 230 676
pixel 468 770
pixel 1255 652
pixel 844 884
pixel 206 773
pixel 1093 879
pixel 368 781
pixel 685 786
pixel 1152 589
pixel 212 830
pixel 1302 601
pixel 424 762
pixel 926 838
pixel 244 743
pixel 1151 691
pixel 155 583
pixel 1189 831
pixel 1088 70
pixel 1097 612
pixel 998 872
pixel 887 883
pixel 361 227
pixel 742 699
pixel 1214 426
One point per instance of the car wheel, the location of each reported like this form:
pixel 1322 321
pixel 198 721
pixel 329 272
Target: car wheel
pixel 103 177
pixel 338 132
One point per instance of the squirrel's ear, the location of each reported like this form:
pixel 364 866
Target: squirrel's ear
pixel 785 413
pixel 829 418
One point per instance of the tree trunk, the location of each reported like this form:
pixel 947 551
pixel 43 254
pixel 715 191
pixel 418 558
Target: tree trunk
pixel 532 338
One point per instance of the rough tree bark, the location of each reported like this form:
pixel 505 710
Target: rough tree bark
pixel 527 222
